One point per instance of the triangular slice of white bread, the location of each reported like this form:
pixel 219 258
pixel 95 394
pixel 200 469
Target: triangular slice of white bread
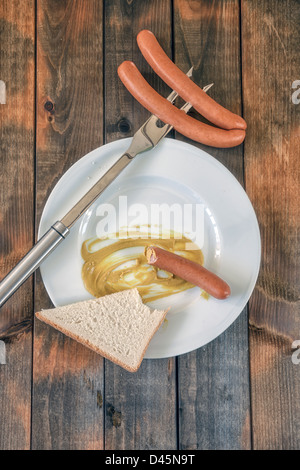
pixel 117 326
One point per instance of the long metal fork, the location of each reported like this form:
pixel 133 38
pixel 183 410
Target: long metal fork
pixel 153 130
pixel 145 138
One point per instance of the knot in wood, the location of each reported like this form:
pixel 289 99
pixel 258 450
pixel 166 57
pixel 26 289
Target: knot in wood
pixel 49 106
pixel 124 126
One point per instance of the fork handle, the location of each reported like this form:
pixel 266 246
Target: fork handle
pixel 32 260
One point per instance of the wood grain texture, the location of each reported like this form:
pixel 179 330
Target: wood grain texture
pixel 270 45
pixel 140 408
pixel 17 65
pixel 58 60
pixel 214 380
pixel 67 378
pixel 214 411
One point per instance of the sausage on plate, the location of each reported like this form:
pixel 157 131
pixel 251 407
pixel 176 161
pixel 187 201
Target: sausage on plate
pixel 188 270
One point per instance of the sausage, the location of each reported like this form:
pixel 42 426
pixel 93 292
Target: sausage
pixel 188 270
pixel 184 86
pixel 170 114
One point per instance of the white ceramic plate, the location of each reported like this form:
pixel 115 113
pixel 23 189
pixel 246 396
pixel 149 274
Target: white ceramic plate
pixel 173 173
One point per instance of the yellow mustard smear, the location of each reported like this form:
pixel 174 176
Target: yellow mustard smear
pixel 115 264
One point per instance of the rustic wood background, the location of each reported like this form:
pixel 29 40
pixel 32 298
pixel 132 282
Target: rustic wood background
pixel 58 60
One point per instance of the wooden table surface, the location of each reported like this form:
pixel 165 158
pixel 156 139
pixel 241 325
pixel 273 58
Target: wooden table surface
pixel 58 63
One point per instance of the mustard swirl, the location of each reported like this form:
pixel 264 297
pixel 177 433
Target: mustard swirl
pixel 112 265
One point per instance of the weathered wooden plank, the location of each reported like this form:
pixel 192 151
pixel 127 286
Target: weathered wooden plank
pixel 140 408
pixel 67 378
pixel 270 51
pixel 17 64
pixel 214 393
pixel 214 400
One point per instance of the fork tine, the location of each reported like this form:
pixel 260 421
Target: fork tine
pixel 187 106
pixel 151 133
pixel 173 95
pixel 156 133
pixel 207 87
pixel 190 72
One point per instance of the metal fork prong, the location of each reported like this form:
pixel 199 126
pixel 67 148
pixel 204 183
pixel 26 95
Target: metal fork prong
pixel 190 72
pixel 207 87
pixel 159 132
pixel 187 106
pixel 151 132
pixel 173 95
